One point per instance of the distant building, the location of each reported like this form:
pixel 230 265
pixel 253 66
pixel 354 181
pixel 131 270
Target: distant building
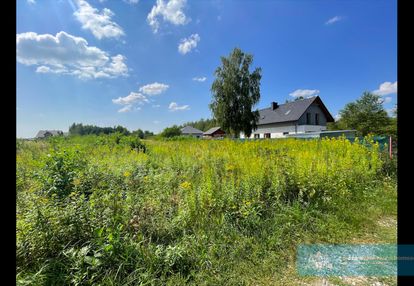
pixel 191 131
pixel 215 132
pixel 300 116
pixel 48 133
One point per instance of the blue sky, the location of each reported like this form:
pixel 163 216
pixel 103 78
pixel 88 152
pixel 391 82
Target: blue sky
pixel 150 64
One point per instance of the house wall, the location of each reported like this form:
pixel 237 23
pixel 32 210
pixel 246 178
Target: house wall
pixel 276 130
pixel 219 133
pixel 313 109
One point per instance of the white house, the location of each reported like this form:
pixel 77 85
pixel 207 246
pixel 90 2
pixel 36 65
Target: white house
pixel 300 116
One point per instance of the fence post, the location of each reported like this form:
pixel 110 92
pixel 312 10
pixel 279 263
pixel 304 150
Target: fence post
pixel 390 147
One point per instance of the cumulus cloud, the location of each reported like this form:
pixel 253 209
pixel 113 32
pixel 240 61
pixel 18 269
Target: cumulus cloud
pixel 31 1
pixel 175 107
pixel 140 97
pixel 333 20
pixel 385 100
pixel 200 79
pixel 304 93
pixel 154 88
pixel 171 12
pixel 99 23
pixel 127 108
pixel 67 54
pixel 386 88
pixel 133 97
pixel 187 44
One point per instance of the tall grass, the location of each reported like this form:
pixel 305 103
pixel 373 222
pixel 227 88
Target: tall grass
pixel 113 210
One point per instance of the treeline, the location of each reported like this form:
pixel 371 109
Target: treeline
pixel 80 129
pixel 202 124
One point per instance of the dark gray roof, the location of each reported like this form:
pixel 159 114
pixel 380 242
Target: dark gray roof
pixel 190 130
pixel 290 111
pixel 211 130
pixel 42 133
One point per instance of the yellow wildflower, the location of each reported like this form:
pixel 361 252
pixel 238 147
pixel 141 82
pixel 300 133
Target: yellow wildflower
pixel 185 185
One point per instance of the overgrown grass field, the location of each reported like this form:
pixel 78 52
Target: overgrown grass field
pixel 113 210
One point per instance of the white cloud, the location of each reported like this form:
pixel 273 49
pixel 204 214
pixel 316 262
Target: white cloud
pixel 154 88
pixel 127 108
pixel 337 117
pixel 132 2
pixel 386 88
pixel 131 98
pixel 156 106
pixel 200 79
pixel 187 44
pixel 156 122
pixel 175 107
pixel 67 54
pixel 99 23
pixel 304 93
pixel 31 1
pixel 388 99
pixel 333 20
pixel 385 100
pixel 172 12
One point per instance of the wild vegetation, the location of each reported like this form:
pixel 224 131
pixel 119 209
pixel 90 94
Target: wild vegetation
pixel 116 210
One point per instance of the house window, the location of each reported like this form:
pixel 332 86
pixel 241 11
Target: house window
pixel 316 118
pixel 267 135
pixel 256 136
pixel 308 118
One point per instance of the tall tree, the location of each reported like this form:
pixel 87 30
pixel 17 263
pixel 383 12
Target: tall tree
pixel 235 91
pixel 366 115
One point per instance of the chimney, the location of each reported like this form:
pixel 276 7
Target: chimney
pixel 274 105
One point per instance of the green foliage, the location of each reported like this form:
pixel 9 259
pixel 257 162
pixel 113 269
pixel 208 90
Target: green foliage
pixel 366 115
pixel 171 132
pixel 235 92
pixel 142 134
pixel 202 124
pixel 133 142
pixel 96 210
pixel 61 168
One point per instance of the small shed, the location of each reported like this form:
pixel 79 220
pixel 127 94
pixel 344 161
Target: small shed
pixel 191 131
pixel 215 132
